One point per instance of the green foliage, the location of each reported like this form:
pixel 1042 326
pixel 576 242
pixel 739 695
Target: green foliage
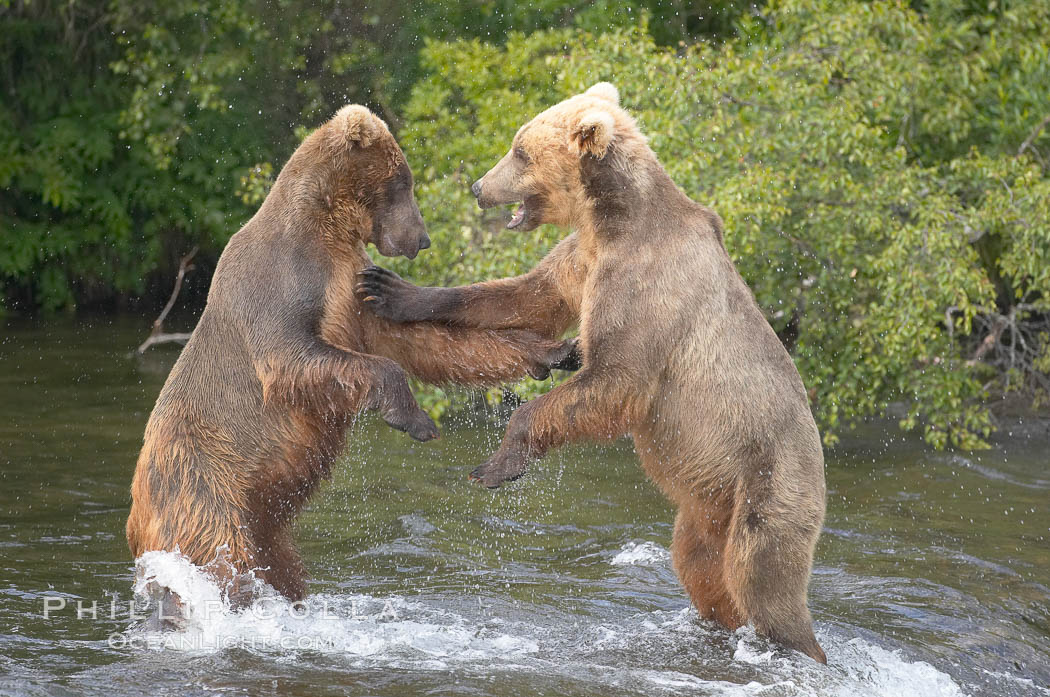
pixel 881 166
pixel 66 230
pixel 137 130
pixel 865 158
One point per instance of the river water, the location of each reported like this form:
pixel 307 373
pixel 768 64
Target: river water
pixel 932 575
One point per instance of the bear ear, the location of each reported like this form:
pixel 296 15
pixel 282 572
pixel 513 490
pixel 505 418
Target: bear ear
pixel 593 134
pixel 356 125
pixel 605 90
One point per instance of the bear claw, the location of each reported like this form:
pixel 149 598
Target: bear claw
pixel 419 426
pixel 385 293
pixel 569 356
pixel 424 431
pixel 492 473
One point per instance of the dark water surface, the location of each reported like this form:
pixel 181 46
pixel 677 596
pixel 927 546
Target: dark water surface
pixel 932 576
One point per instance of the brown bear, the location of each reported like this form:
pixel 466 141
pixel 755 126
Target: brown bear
pixel 255 409
pixel 676 353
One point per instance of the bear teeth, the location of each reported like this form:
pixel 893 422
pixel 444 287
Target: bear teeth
pixel 519 215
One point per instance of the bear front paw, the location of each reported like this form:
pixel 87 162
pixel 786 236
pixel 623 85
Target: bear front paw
pixel 568 356
pixel 503 466
pixel 565 356
pixel 423 428
pixel 413 421
pixel 386 294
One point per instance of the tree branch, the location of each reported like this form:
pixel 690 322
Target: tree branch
pixel 1033 135
pixel 989 341
pixel 157 334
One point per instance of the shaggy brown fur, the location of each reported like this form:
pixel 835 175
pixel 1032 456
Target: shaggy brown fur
pixel 676 354
pixel 254 410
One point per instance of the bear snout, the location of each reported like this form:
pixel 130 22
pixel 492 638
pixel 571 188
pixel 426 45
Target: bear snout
pixel 475 189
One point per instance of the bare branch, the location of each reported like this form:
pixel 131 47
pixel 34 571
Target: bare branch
pixel 989 341
pixel 1033 135
pixel 154 339
pixel 157 334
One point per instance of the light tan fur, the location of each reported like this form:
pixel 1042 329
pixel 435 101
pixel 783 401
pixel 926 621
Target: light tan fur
pixel 677 354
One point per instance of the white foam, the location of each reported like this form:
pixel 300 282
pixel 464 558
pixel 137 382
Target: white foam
pixel 674 680
pixel 356 625
pixel 749 651
pixel 1028 683
pixel 856 668
pixel 881 672
pixel 640 553
pixel 177 573
pixel 393 632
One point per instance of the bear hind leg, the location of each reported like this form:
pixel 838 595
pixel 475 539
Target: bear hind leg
pixel 284 569
pixel 768 564
pixel 697 554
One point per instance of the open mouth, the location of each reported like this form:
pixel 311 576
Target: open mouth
pixel 518 217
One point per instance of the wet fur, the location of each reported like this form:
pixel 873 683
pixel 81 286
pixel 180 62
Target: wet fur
pixel 676 353
pixel 254 411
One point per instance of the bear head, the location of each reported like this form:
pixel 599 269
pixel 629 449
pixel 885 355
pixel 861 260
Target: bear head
pixel 351 176
pixel 543 169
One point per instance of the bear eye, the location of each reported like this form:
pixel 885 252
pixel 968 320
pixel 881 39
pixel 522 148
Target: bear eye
pixel 520 153
pixel 400 182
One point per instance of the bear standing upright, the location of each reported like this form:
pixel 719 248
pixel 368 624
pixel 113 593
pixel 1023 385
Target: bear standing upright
pixel 676 353
pixel 254 411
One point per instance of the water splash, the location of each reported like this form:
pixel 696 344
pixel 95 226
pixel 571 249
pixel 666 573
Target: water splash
pixel 449 632
pixel 640 553
pixel 393 631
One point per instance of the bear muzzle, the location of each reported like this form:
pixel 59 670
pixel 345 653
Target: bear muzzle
pixel 398 237
pixel 485 196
